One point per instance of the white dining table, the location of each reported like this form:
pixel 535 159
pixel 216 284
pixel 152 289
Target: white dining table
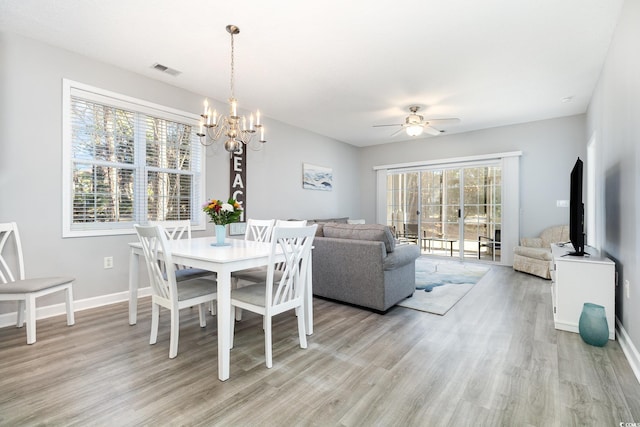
pixel 223 260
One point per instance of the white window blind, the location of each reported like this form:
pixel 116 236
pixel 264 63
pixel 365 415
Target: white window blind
pixel 128 162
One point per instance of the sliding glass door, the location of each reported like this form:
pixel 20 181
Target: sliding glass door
pixel 482 212
pixel 453 212
pixel 440 231
pixel 402 205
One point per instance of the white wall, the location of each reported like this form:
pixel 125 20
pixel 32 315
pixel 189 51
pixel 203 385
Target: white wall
pixel 550 149
pixel 613 121
pixel 31 76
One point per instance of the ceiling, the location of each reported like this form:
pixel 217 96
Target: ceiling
pixel 338 67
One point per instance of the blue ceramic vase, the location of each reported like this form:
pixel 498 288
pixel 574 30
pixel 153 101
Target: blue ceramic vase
pixel 221 232
pixel 593 326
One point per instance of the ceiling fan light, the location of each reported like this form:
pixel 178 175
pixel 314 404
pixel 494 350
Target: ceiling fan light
pixel 414 130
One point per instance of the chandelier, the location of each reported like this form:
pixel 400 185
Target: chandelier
pixel 237 130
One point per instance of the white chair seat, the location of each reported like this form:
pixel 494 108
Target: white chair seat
pixel 252 294
pixel 34 285
pixel 195 288
pixel 255 275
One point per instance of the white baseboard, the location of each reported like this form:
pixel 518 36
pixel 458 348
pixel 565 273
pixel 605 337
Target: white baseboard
pixel 9 319
pixel 629 350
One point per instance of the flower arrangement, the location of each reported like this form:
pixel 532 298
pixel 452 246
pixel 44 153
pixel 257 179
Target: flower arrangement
pixel 222 213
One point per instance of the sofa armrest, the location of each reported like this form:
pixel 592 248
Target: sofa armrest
pixel 401 256
pixel 535 253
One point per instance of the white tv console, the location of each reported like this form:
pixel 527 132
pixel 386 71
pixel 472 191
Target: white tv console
pixel 576 280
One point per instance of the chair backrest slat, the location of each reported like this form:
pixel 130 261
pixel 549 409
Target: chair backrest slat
pixel 289 224
pixel 155 247
pixel 295 244
pixel 11 263
pixel 259 230
pixel 175 229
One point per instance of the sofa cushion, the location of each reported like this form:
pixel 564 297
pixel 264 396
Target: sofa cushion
pixel 371 232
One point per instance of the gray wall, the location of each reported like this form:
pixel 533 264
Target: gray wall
pixel 550 148
pixel 31 76
pixel 613 121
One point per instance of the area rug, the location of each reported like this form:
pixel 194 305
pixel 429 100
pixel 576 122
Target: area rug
pixel 440 284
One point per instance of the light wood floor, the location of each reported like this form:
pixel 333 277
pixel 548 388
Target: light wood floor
pixel 494 359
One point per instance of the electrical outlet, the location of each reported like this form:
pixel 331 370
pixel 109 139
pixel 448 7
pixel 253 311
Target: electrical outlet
pixel 108 262
pixel 627 291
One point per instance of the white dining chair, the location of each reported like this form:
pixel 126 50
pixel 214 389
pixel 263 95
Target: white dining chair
pixel 179 229
pixel 164 289
pixel 280 292
pixel 16 287
pixel 258 230
pixel 259 274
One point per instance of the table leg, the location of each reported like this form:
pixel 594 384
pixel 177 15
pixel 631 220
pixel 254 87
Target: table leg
pixel 134 268
pixel 308 311
pixel 224 324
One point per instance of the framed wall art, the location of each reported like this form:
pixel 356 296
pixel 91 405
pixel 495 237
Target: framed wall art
pixel 316 177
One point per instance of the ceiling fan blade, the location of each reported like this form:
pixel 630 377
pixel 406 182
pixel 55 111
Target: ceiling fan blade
pixel 431 130
pixel 379 126
pixel 397 132
pixel 448 121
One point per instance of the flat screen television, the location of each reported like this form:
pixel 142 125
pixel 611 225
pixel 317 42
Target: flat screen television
pixel 576 211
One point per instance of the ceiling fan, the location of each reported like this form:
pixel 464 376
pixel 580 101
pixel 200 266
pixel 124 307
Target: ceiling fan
pixel 415 124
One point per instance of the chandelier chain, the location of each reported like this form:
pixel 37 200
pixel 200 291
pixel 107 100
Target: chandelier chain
pixel 233 68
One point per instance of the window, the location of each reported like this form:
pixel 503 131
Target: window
pixel 126 162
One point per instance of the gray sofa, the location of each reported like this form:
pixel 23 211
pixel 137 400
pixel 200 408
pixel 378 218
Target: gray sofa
pixel 361 264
